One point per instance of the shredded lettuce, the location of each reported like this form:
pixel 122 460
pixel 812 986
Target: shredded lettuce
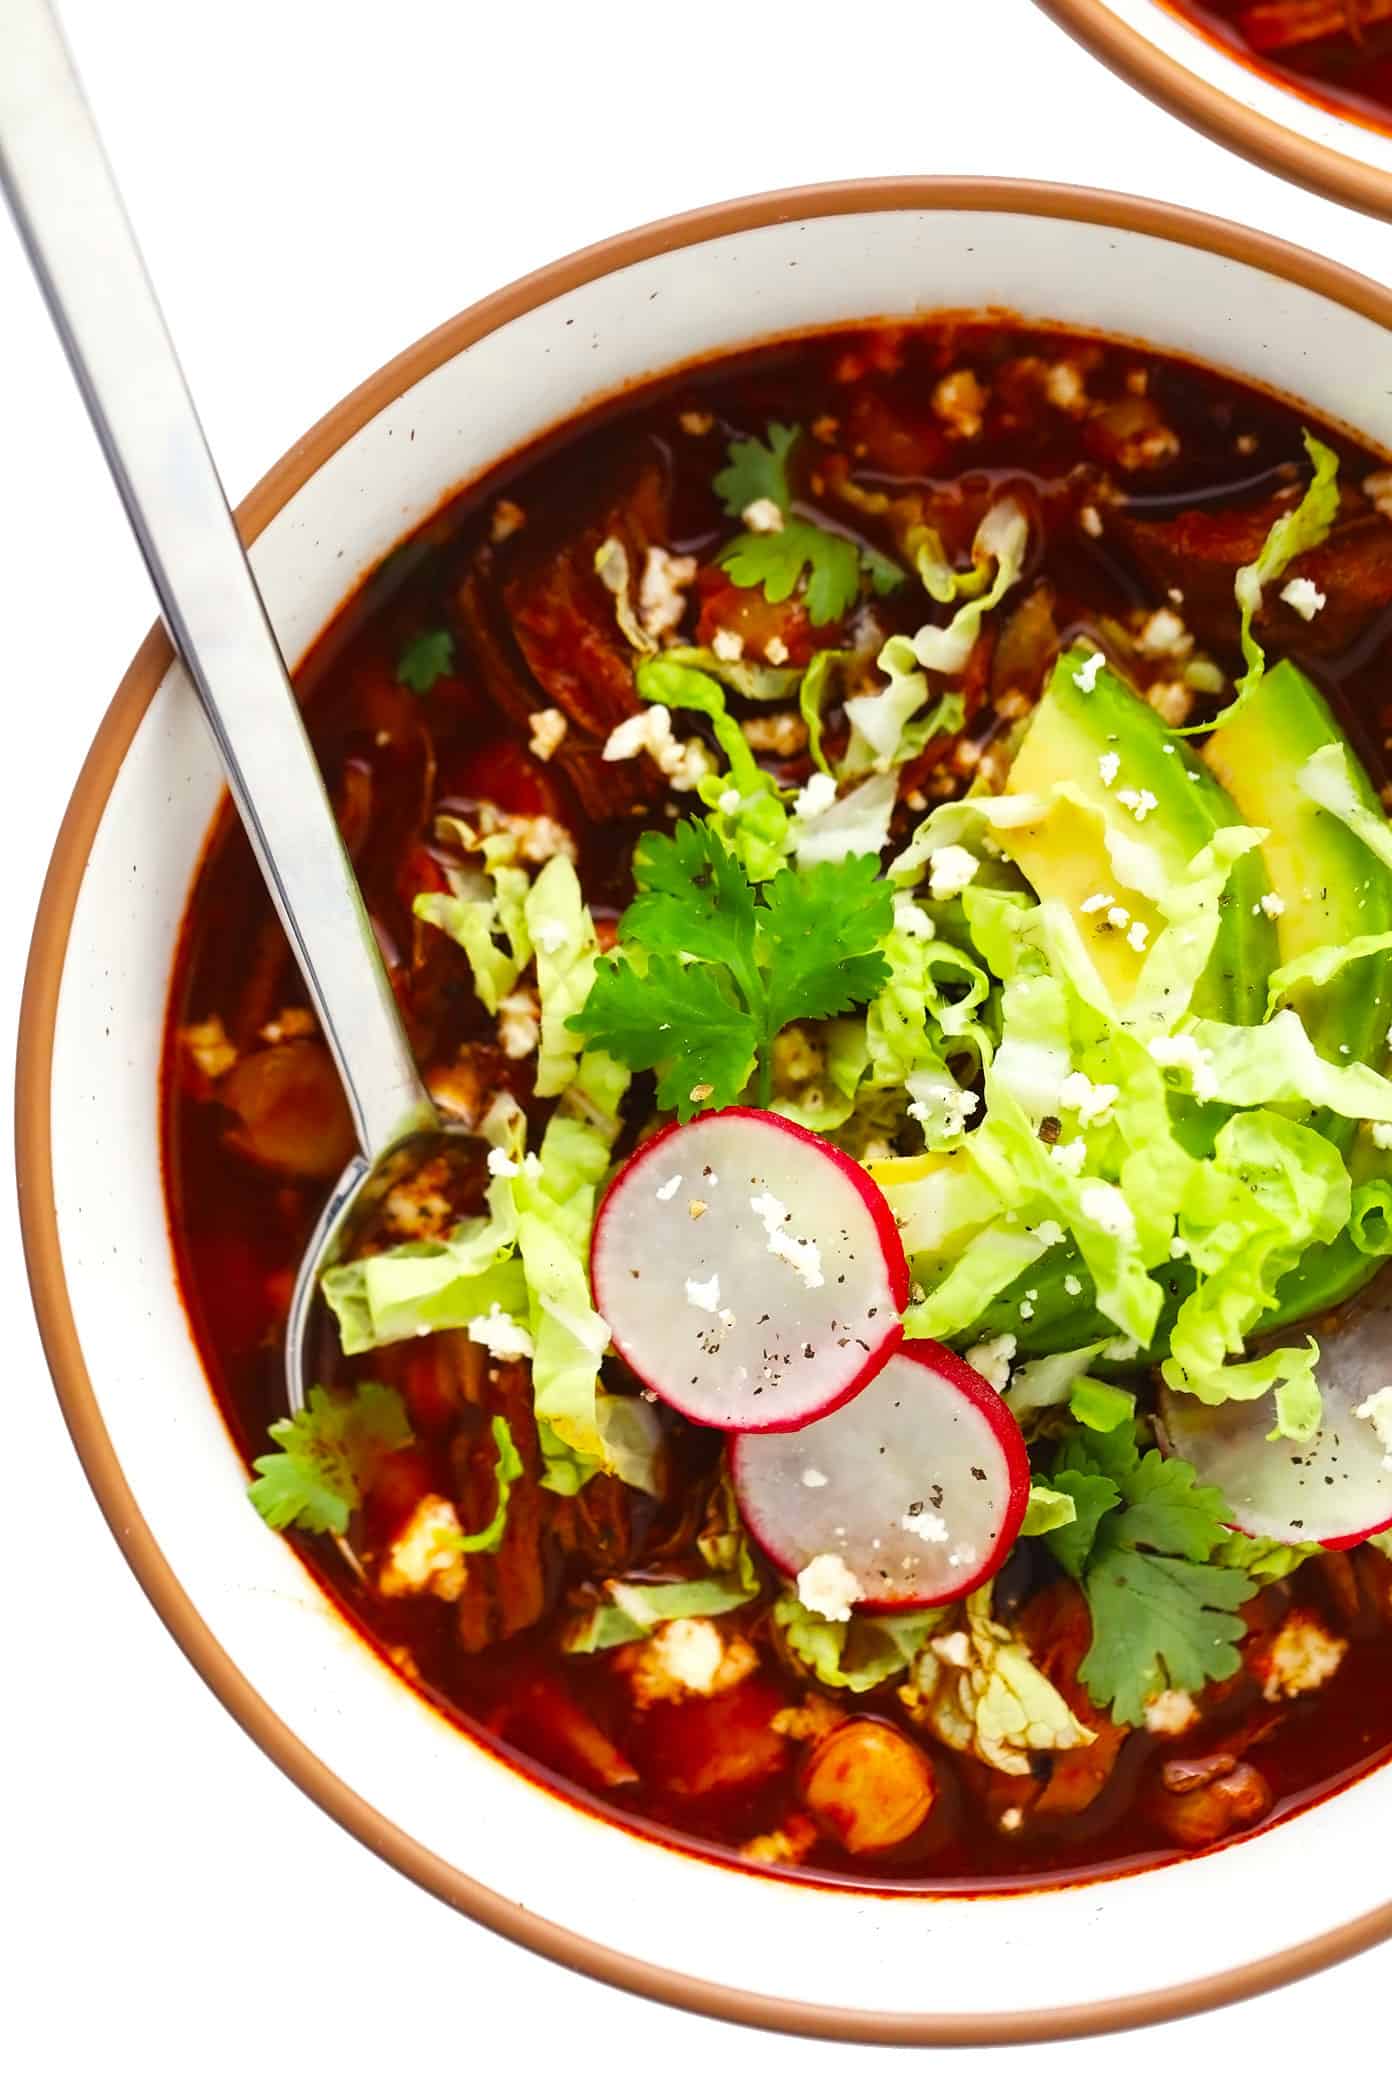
pixel 886 729
pixel 1003 537
pixel 1318 966
pixel 812 696
pixel 1275 1062
pixel 978 1691
pixel 755 680
pixel 1329 778
pixel 859 1655
pixel 635 1609
pixel 1275 1188
pixel 482 906
pixel 1047 1510
pixel 612 566
pixel 857 824
pixel 429 1286
pixel 1300 529
pixel 559 924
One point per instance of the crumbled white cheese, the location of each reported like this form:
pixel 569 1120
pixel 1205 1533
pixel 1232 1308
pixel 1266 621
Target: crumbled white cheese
pixel 1163 635
pixel 519 1024
pixel 650 732
pixel 1085 678
pixel 804 1257
pixel 1188 1054
pixel 817 795
pixel 541 838
pixel 727 645
pixel 991 1360
pixel 1172 1712
pixel 508 518
pixel 669 1189
pixel 1070 1154
pixel 1090 521
pixel 1137 936
pixel 500 1166
pixel 1301 1658
pixel 1377 1408
pixel 763 517
pixel 502 1335
pixel 775 651
pixel 927 1527
pixel 1026 1309
pixel 1098 903
pixel 812 1477
pixel 960 400
pixel 729 802
pixel 425 1559
pixel 1378 487
pixel 1093 1100
pixel 951 870
pixel 1106 1207
pixel 1049 1233
pixel 1073 1286
pixel 1304 597
pixel 1064 387
pixel 828 1588
pixel 1122 1349
pixel 661 602
pixel 1382 1136
pixel 1139 803
pixel 911 920
pixel 706 1296
pixel 1172 701
pixel 687 1656
pixel 1109 767
pixel 1272 905
pixel 1118 917
pixel 548 728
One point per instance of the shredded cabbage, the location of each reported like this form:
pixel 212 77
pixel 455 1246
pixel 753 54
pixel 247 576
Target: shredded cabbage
pixel 1003 537
pixel 859 1655
pixel 979 1692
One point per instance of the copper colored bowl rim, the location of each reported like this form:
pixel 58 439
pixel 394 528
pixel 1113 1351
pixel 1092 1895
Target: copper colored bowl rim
pixel 33 1130
pixel 1220 116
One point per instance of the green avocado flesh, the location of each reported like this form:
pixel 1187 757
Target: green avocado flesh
pixel 1079 737
pixel 1332 889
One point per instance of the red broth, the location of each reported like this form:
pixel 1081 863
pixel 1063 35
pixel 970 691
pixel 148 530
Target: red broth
pixel 1335 52
pixel 1149 480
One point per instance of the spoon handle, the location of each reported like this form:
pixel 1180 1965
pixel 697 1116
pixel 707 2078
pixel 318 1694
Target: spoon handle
pixel 68 209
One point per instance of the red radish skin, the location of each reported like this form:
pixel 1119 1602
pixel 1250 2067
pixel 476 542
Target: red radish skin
pixel 647 1245
pixel 796 1520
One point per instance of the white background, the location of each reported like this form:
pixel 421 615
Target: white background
pixel 316 184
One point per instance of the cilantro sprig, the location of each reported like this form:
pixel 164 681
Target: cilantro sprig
pixel 1141 1546
pixel 709 968
pixel 327 1455
pixel 777 559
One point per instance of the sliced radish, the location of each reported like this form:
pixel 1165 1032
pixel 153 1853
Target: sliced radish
pixel 1334 1490
pixel 916 1489
pixel 750 1273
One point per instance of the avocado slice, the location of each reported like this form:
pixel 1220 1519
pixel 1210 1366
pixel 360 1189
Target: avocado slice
pixel 1095 734
pixel 1331 888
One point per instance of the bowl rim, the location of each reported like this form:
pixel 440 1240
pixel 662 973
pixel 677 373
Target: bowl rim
pixel 33 1125
pixel 1184 94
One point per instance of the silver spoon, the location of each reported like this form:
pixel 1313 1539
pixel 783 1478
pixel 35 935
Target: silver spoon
pixel 68 209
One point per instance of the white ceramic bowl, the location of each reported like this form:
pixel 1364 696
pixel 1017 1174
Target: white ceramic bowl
pixel 769 1950
pixel 1199 80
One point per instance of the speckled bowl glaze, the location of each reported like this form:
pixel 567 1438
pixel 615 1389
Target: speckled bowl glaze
pixel 906 1967
pixel 1205 83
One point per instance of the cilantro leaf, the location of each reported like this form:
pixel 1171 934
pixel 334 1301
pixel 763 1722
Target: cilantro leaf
pixel 506 1470
pixel 1142 1547
pixel 882 573
pixel 1092 1495
pixel 776 563
pixel 758 470
pixel 693 901
pixel 427 657
pixel 677 1020
pixel 327 1454
pixel 1157 1624
pixel 706 975
pixel 821 931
